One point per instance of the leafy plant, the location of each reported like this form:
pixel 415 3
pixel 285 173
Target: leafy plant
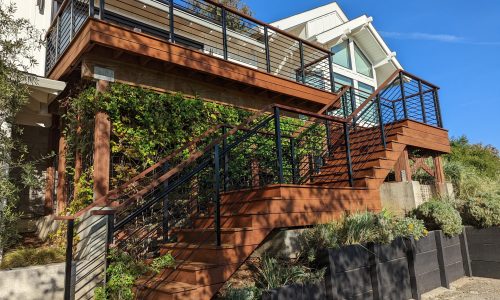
pixel 357 228
pixel 124 270
pixel 25 257
pixel 439 214
pixel 274 273
pixel 250 292
pixel 481 212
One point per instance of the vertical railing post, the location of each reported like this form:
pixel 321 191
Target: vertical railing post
pixel 57 37
pixel 348 154
pixel 268 52
pixel 394 112
pixel 171 34
pixel 293 161
pixel 71 20
pixel 279 150
pixel 110 234
pixel 353 104
pixel 217 195
pixel 438 108
pixel 328 137
pixel 101 9
pixel 164 195
pixel 69 259
pixel 344 105
pixel 330 69
pixel 224 33
pixel 381 121
pixel 91 8
pixel 302 65
pixel 422 102
pixel 403 97
pixel 225 166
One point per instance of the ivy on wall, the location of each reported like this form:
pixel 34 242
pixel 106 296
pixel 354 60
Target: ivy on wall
pixel 146 126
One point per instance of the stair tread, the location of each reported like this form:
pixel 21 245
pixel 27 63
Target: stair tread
pixel 185 245
pixel 193 265
pixel 236 229
pixel 169 287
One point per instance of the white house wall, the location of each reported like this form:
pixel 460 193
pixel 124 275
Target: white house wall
pixel 28 9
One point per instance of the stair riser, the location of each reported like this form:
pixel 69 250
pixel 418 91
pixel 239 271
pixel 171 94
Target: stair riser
pixel 250 237
pixel 212 256
pixel 200 277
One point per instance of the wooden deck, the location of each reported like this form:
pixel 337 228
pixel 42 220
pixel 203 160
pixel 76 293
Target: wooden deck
pixel 122 40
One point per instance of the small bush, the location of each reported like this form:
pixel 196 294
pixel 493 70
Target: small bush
pixel 123 271
pixel 440 214
pixel 26 257
pixel 243 293
pixel 357 228
pixel 481 212
pixel 274 273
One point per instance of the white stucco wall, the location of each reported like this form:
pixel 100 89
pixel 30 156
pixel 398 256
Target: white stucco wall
pixel 28 9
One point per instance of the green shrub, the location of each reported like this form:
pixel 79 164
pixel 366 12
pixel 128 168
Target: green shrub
pixel 357 228
pixel 26 257
pixel 481 212
pixel 243 293
pixel 275 272
pixel 440 214
pixel 123 271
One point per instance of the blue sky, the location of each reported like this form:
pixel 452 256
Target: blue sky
pixel 454 44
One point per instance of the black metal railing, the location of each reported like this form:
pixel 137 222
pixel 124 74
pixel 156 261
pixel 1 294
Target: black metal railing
pixel 203 25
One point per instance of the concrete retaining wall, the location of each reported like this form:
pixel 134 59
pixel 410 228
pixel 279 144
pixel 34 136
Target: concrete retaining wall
pixel 33 283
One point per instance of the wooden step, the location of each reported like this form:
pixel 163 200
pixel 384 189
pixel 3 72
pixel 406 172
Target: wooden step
pixel 198 273
pixel 158 288
pixel 208 253
pixel 238 236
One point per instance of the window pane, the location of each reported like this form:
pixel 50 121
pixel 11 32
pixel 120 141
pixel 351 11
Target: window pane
pixel 365 87
pixel 341 80
pixel 341 55
pixel 363 65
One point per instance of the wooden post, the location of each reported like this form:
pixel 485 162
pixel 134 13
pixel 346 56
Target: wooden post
pixel 402 169
pixel 439 176
pixel 61 174
pixel 51 171
pixel 78 160
pixel 438 169
pixel 102 149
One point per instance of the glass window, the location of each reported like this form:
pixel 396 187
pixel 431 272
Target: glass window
pixel 363 65
pixel 342 56
pixel 365 87
pixel 341 80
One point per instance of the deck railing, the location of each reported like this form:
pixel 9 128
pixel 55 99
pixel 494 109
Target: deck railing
pixel 202 25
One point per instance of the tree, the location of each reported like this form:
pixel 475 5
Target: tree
pixel 234 22
pixel 19 39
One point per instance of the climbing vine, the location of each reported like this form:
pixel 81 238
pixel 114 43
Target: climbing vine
pixel 146 126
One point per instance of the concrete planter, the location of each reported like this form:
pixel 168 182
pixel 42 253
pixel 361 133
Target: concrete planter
pixel 484 251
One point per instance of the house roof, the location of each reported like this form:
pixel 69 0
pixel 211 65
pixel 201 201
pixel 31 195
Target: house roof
pixel 340 28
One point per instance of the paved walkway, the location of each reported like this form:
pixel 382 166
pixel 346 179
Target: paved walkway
pixel 467 288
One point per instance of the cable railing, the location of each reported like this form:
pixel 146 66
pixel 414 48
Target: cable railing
pixel 201 25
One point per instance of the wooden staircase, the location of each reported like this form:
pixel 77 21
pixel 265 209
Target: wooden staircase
pixel 371 162
pixel 248 216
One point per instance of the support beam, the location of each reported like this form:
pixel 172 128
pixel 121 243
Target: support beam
pixel 402 169
pixel 50 182
pixel 102 149
pixel 61 174
pixel 78 161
